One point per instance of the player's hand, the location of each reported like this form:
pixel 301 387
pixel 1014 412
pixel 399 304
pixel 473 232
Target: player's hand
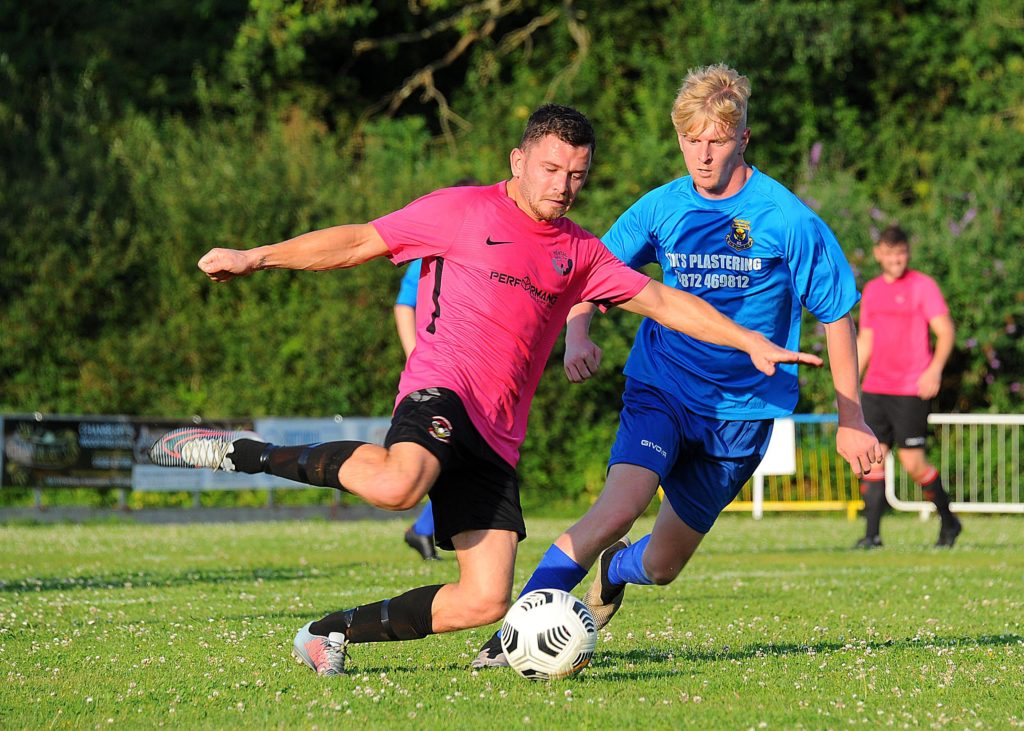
pixel 928 384
pixel 582 358
pixel 764 354
pixel 220 265
pixel 857 444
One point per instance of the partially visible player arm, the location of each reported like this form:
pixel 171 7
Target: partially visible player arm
pixel 855 441
pixel 693 316
pixel 582 356
pixel 929 381
pixel 338 247
pixel 865 344
pixel 405 323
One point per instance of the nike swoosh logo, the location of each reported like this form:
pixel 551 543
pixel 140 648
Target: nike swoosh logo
pixel 492 242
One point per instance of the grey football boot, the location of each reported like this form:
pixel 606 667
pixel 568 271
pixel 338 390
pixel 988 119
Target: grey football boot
pixel 198 447
pixel 325 655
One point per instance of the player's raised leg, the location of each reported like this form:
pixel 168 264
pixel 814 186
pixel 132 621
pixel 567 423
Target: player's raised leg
pixel 391 478
pixel 657 558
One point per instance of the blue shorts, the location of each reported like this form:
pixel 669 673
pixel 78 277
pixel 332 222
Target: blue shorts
pixel 703 462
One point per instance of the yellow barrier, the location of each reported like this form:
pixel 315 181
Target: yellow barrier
pixel 852 507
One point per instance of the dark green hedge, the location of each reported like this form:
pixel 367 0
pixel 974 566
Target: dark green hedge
pixel 131 148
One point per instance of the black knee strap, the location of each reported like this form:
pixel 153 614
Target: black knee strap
pixel 302 464
pixel 385 620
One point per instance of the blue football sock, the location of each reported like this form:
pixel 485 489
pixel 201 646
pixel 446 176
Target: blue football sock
pixel 555 571
pixel 627 566
pixel 424 525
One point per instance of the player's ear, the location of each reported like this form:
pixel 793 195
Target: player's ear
pixel 744 140
pixel 516 160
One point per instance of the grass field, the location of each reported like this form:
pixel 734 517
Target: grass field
pixel 776 624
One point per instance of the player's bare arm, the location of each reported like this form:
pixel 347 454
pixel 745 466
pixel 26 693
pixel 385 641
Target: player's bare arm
pixel 693 316
pixel 405 324
pixel 855 442
pixel 930 380
pixel 865 344
pixel 338 247
pixel 582 356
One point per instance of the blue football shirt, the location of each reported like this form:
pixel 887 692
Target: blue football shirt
pixel 758 256
pixel 410 281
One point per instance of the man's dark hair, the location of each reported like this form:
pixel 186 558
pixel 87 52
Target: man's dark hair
pixel 565 123
pixel 893 236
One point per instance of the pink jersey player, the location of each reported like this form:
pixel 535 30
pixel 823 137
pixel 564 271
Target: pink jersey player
pixel 503 282
pixel 898 312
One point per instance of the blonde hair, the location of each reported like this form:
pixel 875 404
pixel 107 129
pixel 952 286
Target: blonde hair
pixel 710 95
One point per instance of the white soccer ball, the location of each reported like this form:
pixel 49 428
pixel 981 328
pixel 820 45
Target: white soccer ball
pixel 548 634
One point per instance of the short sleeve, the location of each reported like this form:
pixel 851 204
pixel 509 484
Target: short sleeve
pixel 425 227
pixel 630 238
pixel 609 280
pixel 821 275
pixel 867 309
pixel 932 303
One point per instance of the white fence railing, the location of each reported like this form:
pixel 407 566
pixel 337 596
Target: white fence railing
pixel 980 459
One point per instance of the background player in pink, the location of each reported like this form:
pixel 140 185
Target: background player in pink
pixel 898 313
pixel 502 267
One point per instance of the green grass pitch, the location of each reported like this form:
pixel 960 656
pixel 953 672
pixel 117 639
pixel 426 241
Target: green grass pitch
pixel 775 624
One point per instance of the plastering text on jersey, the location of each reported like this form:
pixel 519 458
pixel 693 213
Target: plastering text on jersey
pixel 730 262
pixel 684 264
pixel 538 294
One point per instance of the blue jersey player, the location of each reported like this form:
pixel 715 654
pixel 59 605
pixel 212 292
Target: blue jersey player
pixel 696 418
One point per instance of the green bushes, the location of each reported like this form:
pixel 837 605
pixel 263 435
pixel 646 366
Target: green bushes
pixel 873 112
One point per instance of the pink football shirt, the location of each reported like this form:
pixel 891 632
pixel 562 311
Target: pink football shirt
pixel 493 295
pixel 898 314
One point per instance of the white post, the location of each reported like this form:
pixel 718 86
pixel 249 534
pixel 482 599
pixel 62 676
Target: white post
pixel 758 510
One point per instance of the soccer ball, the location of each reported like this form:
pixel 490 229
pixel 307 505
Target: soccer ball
pixel 548 634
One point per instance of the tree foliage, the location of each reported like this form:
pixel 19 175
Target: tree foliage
pixel 137 135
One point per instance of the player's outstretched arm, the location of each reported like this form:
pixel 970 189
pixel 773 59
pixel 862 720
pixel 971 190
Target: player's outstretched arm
pixel 338 247
pixel 693 316
pixel 855 441
pixel 582 356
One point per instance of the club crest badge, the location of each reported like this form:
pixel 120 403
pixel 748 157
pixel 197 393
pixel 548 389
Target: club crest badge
pixel 562 263
pixel 739 238
pixel 440 429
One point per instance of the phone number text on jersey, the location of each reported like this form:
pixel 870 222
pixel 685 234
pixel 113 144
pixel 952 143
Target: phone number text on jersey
pixel 713 281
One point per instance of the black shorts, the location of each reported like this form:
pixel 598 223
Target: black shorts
pixel 477 489
pixel 900 421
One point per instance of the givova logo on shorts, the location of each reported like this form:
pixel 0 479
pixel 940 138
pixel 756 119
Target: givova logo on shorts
pixel 656 447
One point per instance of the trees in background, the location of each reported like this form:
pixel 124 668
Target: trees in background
pixel 139 134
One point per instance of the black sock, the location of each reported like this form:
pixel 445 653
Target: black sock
pixel 873 492
pixel 937 494
pixel 405 617
pixel 313 464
